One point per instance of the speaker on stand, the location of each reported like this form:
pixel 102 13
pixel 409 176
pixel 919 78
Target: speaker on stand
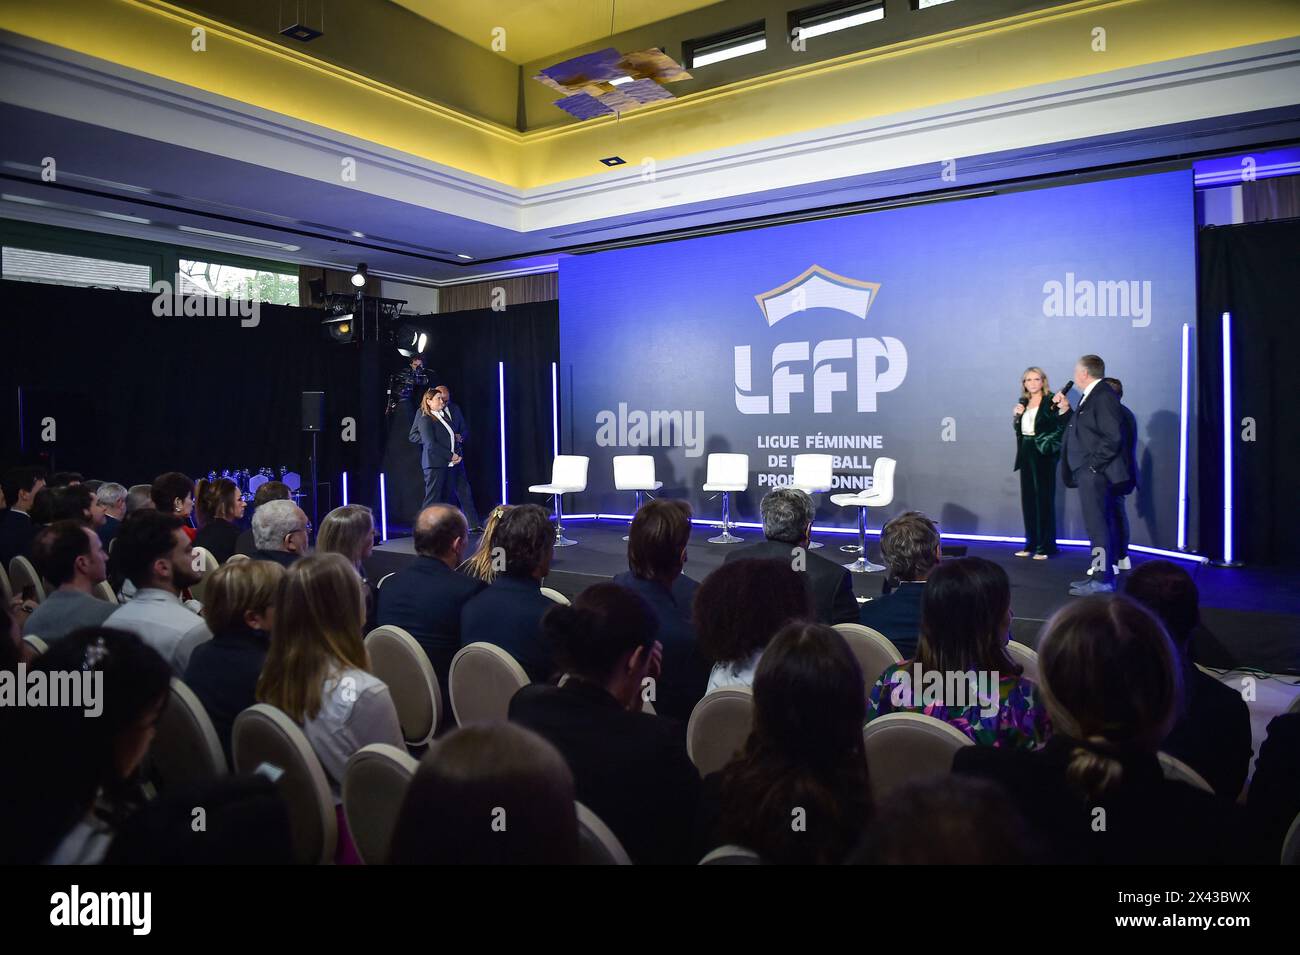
pixel 313 420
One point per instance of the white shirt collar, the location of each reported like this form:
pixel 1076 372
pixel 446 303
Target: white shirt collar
pixel 1093 384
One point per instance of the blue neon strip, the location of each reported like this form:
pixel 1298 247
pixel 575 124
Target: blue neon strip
pixel 1182 440
pixel 383 508
pixel 501 389
pixel 1227 437
pixel 345 488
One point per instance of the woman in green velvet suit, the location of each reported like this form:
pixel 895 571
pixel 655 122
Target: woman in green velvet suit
pixel 1039 429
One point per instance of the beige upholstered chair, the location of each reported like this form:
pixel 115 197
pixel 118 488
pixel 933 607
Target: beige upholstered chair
pixel 555 595
pixel 264 734
pixel 1175 768
pixel 903 747
pixel 597 844
pixel 731 855
pixel 37 644
pixel 874 651
pixel 374 787
pixel 104 591
pixel 6 591
pixel 398 660
pixel 718 727
pixel 186 748
pixel 205 562
pixel 1291 844
pixel 1026 657
pixel 23 575
pixel 483 678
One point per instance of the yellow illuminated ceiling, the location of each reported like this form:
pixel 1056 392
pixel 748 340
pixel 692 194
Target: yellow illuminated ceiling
pixel 533 29
pixel 1047 46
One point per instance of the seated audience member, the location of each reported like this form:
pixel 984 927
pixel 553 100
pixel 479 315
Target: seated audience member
pixel 1212 733
pixel 804 758
pixel 426 597
pixel 42 511
pixel 65 479
pixel 74 502
pixel 630 768
pixel 508 612
pixel 17 528
pixel 481 566
pixel 965 625
pixel 140 498
pixel 155 554
pixel 239 610
pixel 909 546
pixel 350 530
pixel 1110 678
pixel 218 505
pixel 656 554
pixel 952 820
pixel 281 532
pixel 77 771
pixel 318 672
pixel 738 609
pixel 1273 799
pixel 173 493
pixel 474 775
pixel 69 555
pixel 787 524
pixel 269 491
pixel 111 499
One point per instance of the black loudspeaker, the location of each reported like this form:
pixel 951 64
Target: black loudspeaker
pixel 313 410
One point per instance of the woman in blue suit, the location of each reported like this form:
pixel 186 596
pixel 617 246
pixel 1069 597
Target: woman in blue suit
pixel 432 430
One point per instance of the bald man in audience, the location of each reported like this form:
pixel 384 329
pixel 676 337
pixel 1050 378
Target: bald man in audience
pixel 425 599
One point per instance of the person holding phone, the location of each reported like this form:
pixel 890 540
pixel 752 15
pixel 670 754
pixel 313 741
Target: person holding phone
pixel 1039 427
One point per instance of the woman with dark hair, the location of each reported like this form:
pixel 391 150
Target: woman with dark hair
pixel 798 792
pixel 431 429
pixel 962 673
pixel 173 493
pixel 71 772
pixel 738 609
pixel 490 794
pixel 1096 793
pixel 218 506
pixel 630 768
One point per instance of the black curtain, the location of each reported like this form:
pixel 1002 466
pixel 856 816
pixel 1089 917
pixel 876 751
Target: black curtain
pixel 1251 272
pixel 125 394
pixel 463 352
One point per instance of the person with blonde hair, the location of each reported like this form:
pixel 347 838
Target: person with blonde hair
pixel 239 610
pixel 1095 793
pixel 350 530
pixel 1039 427
pixel 481 566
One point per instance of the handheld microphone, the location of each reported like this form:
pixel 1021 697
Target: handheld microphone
pixel 1065 389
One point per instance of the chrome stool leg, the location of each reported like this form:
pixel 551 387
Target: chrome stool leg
pixel 560 539
pixel 862 565
pixel 726 537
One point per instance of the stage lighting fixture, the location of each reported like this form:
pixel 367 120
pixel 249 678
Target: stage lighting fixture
pixel 340 328
pixel 411 341
pixel 359 276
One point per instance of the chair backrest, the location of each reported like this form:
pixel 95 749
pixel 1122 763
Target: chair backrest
pixel 483 678
pixel 597 844
pixel 731 855
pixel 263 734
pixel 1291 844
pixel 374 787
pixel 634 472
pixel 882 481
pixel 727 469
pixel 1175 768
pixel 570 470
pixel 6 592
pixel 186 748
pixel 205 562
pixel 874 651
pixel 813 470
pixel 555 595
pixel 398 660
pixel 36 643
pixel 718 727
pixel 380 583
pixel 1026 657
pixel 902 747
pixel 23 575
pixel 104 591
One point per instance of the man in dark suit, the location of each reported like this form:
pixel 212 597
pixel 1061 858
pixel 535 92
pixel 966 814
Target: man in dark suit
pixel 508 612
pixel 1130 453
pixel 457 479
pixel 17 529
pixel 787 524
pixel 432 430
pixel 1093 460
pixel 910 545
pixel 427 597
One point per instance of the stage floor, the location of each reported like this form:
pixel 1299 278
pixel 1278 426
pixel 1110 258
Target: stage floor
pixel 1251 616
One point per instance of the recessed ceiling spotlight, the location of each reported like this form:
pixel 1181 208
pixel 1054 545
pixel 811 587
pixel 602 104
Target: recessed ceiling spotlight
pixel 359 276
pixel 614 161
pixel 358 235
pixel 462 255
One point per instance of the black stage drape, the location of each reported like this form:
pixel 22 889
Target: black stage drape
pixel 1251 271
pixel 463 352
pixel 131 394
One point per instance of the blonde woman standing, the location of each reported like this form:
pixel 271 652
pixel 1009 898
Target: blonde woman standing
pixel 1039 428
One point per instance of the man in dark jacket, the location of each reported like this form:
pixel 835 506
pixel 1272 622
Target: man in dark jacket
pixel 457 478
pixel 910 545
pixel 1130 452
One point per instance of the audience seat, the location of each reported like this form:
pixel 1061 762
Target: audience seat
pixel 374 787
pixel 398 660
pixel 205 562
pixel 6 591
pixel 880 494
pixel 597 844
pixel 23 575
pixel 568 476
pixel 1175 768
pixel 263 734
pixel 718 727
pixel 482 681
pixel 104 591
pixel 555 595
pixel 37 644
pixel 731 855
pixel 1026 657
pixel 907 747
pixel 1291 844
pixel 186 749
pixel 874 651
pixel 726 474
